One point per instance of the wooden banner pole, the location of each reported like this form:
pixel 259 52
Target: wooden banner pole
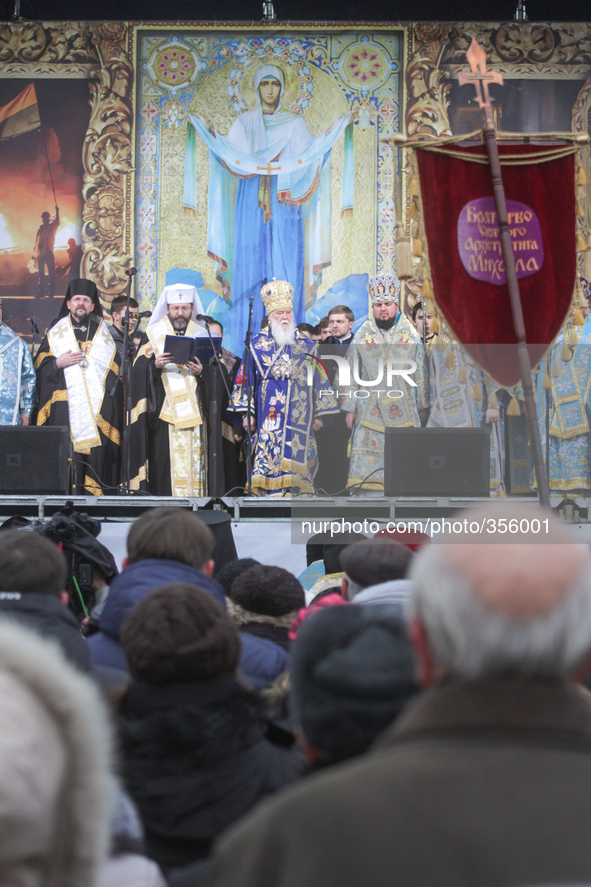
pixel 481 79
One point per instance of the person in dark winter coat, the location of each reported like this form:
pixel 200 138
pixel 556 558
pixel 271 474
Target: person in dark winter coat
pixel 352 672
pixel 32 583
pixel 485 778
pixel 171 545
pixel 264 601
pixel 195 753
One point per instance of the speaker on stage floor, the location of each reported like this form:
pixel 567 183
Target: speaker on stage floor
pixel 34 460
pixel 437 462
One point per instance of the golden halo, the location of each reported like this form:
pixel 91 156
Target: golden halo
pixel 290 93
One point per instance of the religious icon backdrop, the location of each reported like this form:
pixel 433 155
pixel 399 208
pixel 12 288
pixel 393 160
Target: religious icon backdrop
pixel 240 192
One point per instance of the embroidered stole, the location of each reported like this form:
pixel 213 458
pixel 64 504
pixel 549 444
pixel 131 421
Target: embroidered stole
pixel 181 411
pixel 86 386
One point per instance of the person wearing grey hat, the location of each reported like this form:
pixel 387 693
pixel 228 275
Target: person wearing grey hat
pixel 372 563
pixel 352 673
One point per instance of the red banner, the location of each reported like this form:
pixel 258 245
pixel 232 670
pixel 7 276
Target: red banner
pixel 465 256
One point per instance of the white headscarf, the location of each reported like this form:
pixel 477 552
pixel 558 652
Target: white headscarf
pixel 178 294
pixel 265 72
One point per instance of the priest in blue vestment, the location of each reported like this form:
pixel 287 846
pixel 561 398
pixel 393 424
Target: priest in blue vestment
pixel 18 394
pixel 291 399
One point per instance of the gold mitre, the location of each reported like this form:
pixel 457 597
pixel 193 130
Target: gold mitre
pixel 277 294
pixel 384 288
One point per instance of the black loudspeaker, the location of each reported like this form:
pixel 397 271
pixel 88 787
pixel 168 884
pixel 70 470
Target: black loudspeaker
pixel 34 460
pixel 437 462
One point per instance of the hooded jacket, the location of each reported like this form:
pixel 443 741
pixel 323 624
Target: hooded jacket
pixel 261 661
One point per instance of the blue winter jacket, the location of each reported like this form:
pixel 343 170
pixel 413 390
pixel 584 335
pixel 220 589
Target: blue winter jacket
pixel 261 660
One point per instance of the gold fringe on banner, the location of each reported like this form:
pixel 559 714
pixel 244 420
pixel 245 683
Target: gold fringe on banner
pixel 587 259
pixel 417 248
pixel 450 360
pixel 478 392
pixel 513 409
pixel 404 263
pixel 566 354
pixel 463 375
pixel 547 382
pixel 493 401
pixel 404 266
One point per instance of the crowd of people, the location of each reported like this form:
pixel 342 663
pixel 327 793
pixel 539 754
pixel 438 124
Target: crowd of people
pixel 423 719
pixel 305 411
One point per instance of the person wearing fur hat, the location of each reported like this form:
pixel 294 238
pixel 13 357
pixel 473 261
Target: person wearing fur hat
pixel 56 787
pixel 264 601
pixel 195 753
pixel 77 367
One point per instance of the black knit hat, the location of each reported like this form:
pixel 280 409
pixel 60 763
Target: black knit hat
pixel 376 561
pixel 232 570
pixel 270 591
pixel 179 633
pixel 352 671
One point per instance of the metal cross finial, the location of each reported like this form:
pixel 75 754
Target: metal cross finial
pixel 481 78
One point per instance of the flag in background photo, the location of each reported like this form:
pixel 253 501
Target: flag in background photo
pixel 21 115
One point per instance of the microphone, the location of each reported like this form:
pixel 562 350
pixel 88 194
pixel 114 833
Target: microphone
pixel 141 314
pixel 33 324
pixel 130 271
pixel 204 318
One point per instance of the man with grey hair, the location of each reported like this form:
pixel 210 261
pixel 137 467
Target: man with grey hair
pixel 484 779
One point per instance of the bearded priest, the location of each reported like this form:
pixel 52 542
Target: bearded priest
pixel 77 367
pixel 386 334
pixel 291 399
pixel 168 441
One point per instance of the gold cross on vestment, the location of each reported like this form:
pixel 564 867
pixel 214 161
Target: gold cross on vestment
pixel 59 333
pixel 269 169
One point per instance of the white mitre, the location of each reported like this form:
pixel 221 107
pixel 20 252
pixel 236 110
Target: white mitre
pixel 177 294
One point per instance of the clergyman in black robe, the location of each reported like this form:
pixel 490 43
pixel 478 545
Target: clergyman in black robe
pixel 77 367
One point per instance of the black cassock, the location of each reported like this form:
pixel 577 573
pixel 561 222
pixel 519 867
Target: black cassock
pixel 97 473
pixel 150 454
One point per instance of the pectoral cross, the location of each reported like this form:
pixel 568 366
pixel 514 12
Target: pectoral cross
pixel 269 169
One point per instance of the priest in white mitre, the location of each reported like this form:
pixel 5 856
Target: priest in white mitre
pixel 168 440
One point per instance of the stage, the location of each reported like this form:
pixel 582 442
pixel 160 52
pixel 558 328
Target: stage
pixel 293 520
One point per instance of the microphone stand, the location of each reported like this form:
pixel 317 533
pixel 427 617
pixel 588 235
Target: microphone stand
pixel 34 330
pixel 249 409
pixel 125 376
pixel 216 417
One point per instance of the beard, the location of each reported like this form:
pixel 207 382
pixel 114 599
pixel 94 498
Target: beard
pixel 386 324
pixel 179 324
pixel 283 332
pixel 79 315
